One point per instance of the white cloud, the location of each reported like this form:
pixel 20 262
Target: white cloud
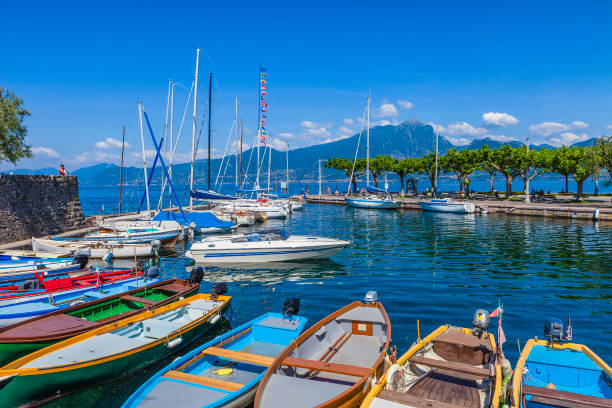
pixel 349 121
pixel 498 119
pixel 286 135
pixel 568 138
pixel 279 144
pixel 405 104
pixel 458 141
pixel 96 157
pixel 315 129
pixel 552 128
pixel 609 127
pixel 334 139
pixel 464 129
pixel 386 110
pixel 385 122
pixel 345 130
pixel 436 127
pixel 109 142
pixel 501 138
pixel 45 151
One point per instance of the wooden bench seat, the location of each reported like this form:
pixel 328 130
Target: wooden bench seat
pixel 201 380
pixel 325 366
pixel 564 398
pixel 139 300
pixel 451 366
pixel 417 402
pixel 239 356
pixel 463 339
pixel 173 287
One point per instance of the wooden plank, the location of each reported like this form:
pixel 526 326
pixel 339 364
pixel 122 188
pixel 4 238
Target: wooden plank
pixel 201 380
pixel 451 366
pixel 346 369
pixel 139 300
pixel 202 354
pixel 239 356
pixel 564 398
pixel 367 326
pixel 411 400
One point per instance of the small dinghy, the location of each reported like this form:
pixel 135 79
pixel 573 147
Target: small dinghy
pixel 452 367
pixel 28 336
pixel 111 351
pixel 554 373
pixel 274 246
pixel 333 363
pixel 98 249
pixel 447 205
pixel 224 372
pixel 27 266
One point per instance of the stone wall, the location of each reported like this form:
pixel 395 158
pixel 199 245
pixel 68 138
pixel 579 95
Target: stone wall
pixel 38 205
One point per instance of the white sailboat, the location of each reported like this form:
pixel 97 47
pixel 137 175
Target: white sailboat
pixel 446 205
pixel 373 197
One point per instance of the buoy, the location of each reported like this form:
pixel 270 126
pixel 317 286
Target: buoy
pixel 215 319
pixel 175 342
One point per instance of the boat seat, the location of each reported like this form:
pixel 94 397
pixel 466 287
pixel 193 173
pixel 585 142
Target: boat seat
pixel 201 380
pixel 452 366
pixel 325 366
pixel 139 300
pixel 239 356
pixel 460 338
pixel 564 398
pixel 412 401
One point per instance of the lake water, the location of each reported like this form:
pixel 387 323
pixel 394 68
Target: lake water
pixel 438 268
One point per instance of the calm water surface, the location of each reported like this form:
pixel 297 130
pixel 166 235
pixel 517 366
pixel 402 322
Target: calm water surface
pixel 434 267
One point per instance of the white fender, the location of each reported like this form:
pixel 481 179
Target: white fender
pixel 395 378
pixel 215 319
pixel 175 342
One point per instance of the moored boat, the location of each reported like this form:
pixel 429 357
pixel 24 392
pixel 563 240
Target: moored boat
pixel 333 363
pixel 109 352
pixel 447 205
pixel 263 247
pixel 25 337
pixel 25 266
pixel 98 249
pixel 372 202
pixel 556 373
pixel 224 372
pixel 451 367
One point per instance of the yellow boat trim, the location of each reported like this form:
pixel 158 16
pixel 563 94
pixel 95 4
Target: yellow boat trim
pixel 518 370
pixel 379 386
pixel 12 368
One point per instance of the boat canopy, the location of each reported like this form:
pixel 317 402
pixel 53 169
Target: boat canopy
pixel 375 190
pixel 210 195
pixel 200 219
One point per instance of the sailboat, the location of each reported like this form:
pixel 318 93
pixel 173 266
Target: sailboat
pixel 373 197
pixel 446 205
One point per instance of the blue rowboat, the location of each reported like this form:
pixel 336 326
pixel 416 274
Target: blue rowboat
pixel 224 372
pixel 554 373
pixel 26 267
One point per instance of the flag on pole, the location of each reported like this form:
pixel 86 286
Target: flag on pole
pixel 501 337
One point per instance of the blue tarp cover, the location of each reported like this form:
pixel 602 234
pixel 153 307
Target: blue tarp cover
pixel 376 190
pixel 200 219
pixel 211 195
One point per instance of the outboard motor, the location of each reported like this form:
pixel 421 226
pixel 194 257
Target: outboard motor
pixel 195 276
pixel 218 289
pixel 82 260
pixel 153 272
pixel 480 323
pixel 291 308
pixel 553 329
pixel 371 297
pixel 30 284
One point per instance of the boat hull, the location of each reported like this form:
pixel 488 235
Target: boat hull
pixel 101 252
pixel 364 203
pixel 263 255
pixel 455 208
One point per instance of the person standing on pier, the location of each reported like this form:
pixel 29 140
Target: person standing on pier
pixel 62 170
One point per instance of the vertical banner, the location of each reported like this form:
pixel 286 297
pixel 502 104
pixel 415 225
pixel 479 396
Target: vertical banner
pixel 263 105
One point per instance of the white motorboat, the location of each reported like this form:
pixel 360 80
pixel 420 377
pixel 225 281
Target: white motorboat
pixel 270 211
pixel 373 201
pixel 97 249
pixel 447 205
pixel 263 247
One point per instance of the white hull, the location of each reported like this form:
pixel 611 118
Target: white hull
pixel 270 211
pixel 96 250
pixel 455 207
pixel 368 203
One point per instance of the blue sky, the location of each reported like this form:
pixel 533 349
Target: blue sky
pixel 509 70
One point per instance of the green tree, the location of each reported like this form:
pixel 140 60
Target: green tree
pixel 380 165
pixel 603 150
pixel 346 165
pixel 576 160
pixel 462 163
pixel 427 165
pixel 561 166
pixel 487 166
pixel 538 160
pixel 403 167
pixel 12 130
pixel 505 160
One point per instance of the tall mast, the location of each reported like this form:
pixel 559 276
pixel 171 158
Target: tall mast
pixel 171 141
pixel 287 168
pixel 193 146
pixel 368 147
pixel 269 158
pixel 163 176
pixel 436 176
pixel 209 118
pixel 121 169
pixel 144 157
pixel 240 153
pixel 258 127
pixel 236 149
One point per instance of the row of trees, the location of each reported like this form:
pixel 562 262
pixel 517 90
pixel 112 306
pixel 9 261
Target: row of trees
pixel 511 162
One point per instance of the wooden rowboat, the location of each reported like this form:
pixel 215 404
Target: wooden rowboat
pixel 25 337
pixel 224 372
pixel 450 368
pixel 333 363
pixel 109 352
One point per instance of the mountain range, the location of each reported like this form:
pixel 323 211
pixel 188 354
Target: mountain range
pixel 408 139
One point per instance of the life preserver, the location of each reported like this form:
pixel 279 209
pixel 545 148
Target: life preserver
pixel 240 213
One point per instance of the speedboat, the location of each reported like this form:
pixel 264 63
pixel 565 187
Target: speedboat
pixel 274 246
pixel 447 205
pixel 225 371
pixel 556 373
